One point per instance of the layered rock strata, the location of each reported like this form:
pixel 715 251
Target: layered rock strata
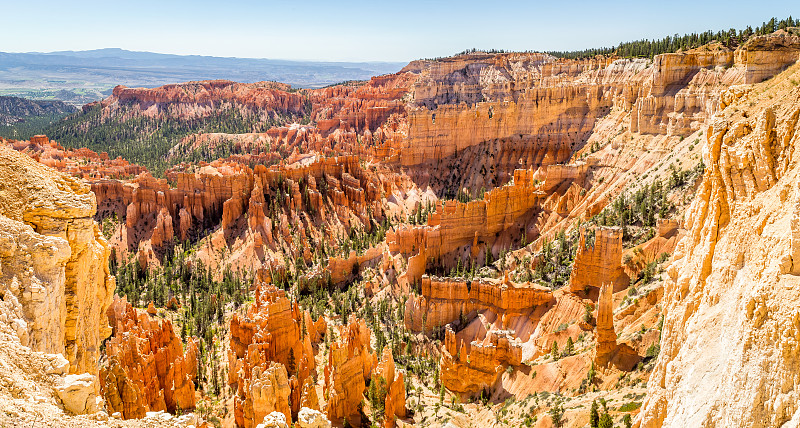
pixel 146 368
pixel 82 163
pixel 53 260
pixel 729 353
pixel 599 262
pixel 270 357
pixel 447 300
pixel 350 363
pixel 470 369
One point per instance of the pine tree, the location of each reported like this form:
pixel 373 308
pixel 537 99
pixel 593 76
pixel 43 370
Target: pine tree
pixel 554 350
pixel 292 364
pixel 606 421
pixel 594 416
pixel 627 420
pixel 570 348
pixel 557 415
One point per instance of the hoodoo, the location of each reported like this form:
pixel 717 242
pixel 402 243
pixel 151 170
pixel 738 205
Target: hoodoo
pixel 596 238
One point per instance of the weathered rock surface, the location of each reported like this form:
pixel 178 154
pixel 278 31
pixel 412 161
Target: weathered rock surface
pixel 53 261
pixel 599 262
pixel 78 394
pixel 309 418
pixel 606 336
pixel 479 366
pixel 349 365
pixel 729 345
pixel 274 420
pixel 269 358
pixel 146 368
pixel 395 402
pixel 444 300
pixel 83 163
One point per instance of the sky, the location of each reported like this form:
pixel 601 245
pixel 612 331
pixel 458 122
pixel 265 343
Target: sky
pixel 348 30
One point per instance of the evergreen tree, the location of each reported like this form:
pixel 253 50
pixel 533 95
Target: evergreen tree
pixel 627 420
pixel 594 416
pixel 606 421
pixel 557 415
pixel 292 363
pixel 569 349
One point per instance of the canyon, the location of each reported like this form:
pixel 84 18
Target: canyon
pixel 487 239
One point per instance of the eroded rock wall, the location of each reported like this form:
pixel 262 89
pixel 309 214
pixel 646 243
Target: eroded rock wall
pixel 444 300
pixel 146 368
pixel 350 363
pixel 270 356
pixel 53 260
pixel 729 353
pixel 599 261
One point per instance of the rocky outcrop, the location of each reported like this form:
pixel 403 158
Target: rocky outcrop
pixel 146 368
pixel 78 394
pixel 445 300
pixel 605 337
pixel 729 353
pixel 395 403
pixel 488 224
pixel 350 363
pixel 270 357
pixel 268 392
pixel 198 99
pixel 468 100
pixel 82 162
pixel 245 202
pixel 15 110
pixel 53 261
pixel 472 369
pixel 599 262
pixel 310 418
pixel 274 420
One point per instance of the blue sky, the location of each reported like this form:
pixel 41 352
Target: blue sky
pixel 359 30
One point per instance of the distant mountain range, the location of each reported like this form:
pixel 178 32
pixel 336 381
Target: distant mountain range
pixel 78 77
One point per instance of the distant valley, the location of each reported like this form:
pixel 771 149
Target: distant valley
pixel 79 77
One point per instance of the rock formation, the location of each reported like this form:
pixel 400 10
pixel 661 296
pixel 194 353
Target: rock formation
pixel 81 162
pixel 599 262
pixel 445 300
pixel 350 363
pixel 269 358
pixel 606 337
pixel 537 134
pixel 395 403
pixel 455 223
pixel 310 418
pixel 729 345
pixel 146 368
pixel 472 369
pixel 274 420
pixel 54 260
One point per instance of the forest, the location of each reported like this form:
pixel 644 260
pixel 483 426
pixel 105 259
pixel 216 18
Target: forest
pixel 646 48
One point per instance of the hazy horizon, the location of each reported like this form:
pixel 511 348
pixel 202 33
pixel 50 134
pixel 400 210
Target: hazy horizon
pixel 354 31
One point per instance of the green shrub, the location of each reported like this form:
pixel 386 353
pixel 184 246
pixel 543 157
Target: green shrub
pixel 629 407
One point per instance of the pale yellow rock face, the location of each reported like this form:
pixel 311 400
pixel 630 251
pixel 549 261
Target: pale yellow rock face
pixel 53 260
pixel 730 349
